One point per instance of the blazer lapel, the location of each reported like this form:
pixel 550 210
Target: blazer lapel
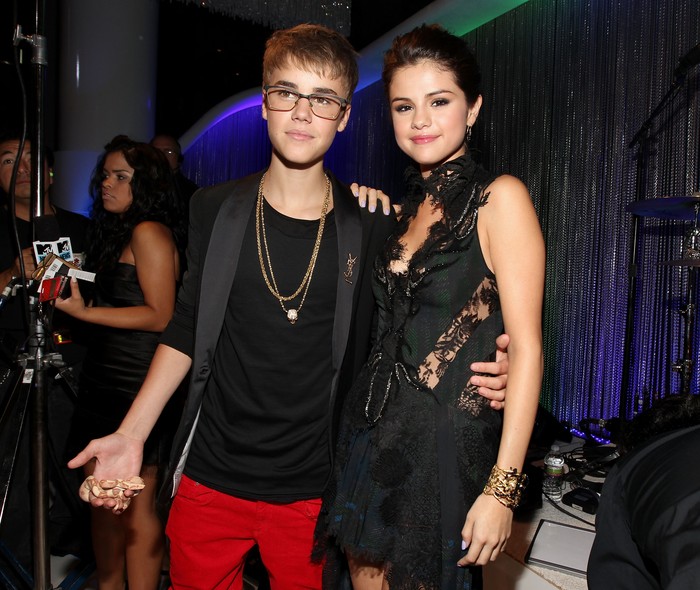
pixel 349 228
pixel 221 261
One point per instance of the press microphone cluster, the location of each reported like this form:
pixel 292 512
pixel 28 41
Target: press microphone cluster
pixel 56 263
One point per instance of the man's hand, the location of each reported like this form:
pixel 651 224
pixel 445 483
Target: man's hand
pixel 29 264
pixel 493 377
pixel 117 458
pixel 371 197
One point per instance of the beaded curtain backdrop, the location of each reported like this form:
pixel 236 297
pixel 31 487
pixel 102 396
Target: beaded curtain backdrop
pixel 566 84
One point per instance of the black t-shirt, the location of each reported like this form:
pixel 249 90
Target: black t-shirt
pixel 12 325
pixel 263 426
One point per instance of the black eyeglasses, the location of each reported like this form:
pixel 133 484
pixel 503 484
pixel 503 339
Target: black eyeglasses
pixel 325 106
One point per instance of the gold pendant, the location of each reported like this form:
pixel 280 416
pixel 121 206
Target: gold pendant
pixel 292 315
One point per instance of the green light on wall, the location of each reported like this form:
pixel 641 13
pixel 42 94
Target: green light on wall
pixel 467 15
pixel 457 16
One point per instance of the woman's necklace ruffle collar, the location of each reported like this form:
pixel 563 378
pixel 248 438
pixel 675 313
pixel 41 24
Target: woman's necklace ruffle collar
pixel 443 186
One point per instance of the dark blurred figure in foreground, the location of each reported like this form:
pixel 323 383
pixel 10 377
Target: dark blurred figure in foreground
pixel 648 524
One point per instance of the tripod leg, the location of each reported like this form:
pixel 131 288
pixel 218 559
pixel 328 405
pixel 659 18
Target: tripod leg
pixel 40 487
pixel 11 422
pixel 14 439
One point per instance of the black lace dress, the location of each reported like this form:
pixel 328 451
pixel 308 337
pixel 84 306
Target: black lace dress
pixel 416 443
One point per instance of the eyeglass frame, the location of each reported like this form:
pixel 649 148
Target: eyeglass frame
pixel 344 102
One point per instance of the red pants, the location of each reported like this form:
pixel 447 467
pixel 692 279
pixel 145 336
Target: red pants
pixel 210 534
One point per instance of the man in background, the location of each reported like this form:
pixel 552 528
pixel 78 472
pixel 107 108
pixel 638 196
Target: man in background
pixel 648 523
pixel 173 153
pixel 65 530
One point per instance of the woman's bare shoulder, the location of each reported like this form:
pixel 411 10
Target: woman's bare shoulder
pixel 505 186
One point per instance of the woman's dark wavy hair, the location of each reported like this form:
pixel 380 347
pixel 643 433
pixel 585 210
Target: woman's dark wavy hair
pixel 154 199
pixel 435 44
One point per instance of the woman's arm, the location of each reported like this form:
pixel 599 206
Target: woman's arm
pixel 513 248
pixel 152 250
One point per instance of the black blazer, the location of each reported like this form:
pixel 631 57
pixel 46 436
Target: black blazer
pixel 218 219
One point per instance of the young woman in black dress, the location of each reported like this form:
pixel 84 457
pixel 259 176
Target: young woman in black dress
pixel 133 248
pixel 427 473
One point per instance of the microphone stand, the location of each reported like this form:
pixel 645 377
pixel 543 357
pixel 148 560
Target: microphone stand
pixel 642 139
pixel 36 361
pixel 29 388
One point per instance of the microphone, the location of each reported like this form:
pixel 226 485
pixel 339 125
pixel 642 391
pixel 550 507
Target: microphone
pixel 690 59
pixel 46 229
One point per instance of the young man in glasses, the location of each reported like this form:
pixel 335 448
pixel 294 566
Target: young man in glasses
pixel 274 319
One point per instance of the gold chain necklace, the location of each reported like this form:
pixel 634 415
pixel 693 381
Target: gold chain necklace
pixel 292 314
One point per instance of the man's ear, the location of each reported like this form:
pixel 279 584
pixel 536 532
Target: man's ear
pixel 50 176
pixel 264 107
pixel 345 118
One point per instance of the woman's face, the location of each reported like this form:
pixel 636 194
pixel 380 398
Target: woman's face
pixel 430 114
pixel 116 183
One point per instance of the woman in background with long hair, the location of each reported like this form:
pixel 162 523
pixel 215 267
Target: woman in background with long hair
pixel 133 249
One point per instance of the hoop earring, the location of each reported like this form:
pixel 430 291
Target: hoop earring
pixel 468 134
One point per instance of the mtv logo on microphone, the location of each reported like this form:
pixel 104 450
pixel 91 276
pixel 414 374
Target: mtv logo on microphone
pixel 61 248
